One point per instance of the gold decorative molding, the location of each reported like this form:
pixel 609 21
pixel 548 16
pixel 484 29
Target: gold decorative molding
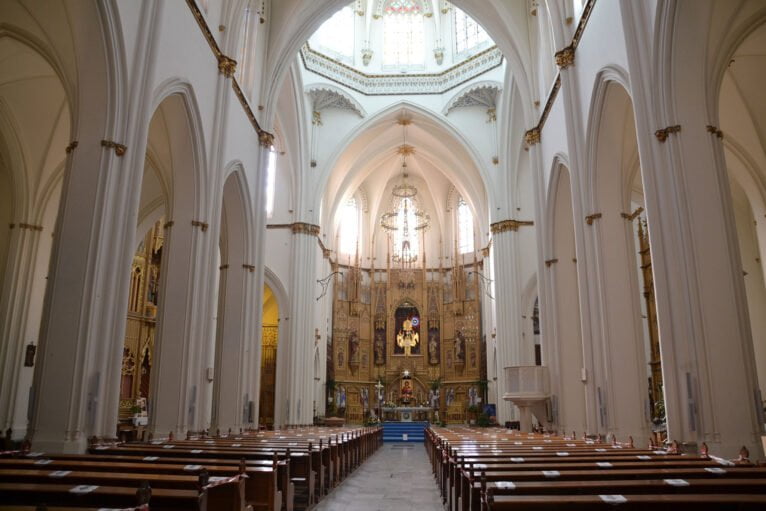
pixel 565 57
pixel 168 224
pixel 715 131
pixel 584 18
pixel 304 228
pixel 31 227
pixel 404 121
pixel 266 139
pixel 532 137
pixel 326 252
pixel 316 118
pixel 219 56
pixel 590 218
pixel 549 262
pixel 632 216
pixel 202 225
pixel 662 134
pixel 491 114
pixel 71 147
pixel 119 149
pixel 405 150
pixel 249 267
pixel 223 267
pixel 508 225
pixel 495 160
pixel 227 66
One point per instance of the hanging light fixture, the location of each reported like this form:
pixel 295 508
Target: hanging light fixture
pixel 404 217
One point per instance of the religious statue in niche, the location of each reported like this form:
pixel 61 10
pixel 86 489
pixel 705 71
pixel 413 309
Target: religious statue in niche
pixel 407 330
pixel 473 396
pixel 364 398
pixel 473 358
pixel 407 338
pixel 433 398
pixel 433 346
pixel 459 348
pixel 450 396
pixel 341 357
pixel 353 349
pixel 340 398
pixel 380 347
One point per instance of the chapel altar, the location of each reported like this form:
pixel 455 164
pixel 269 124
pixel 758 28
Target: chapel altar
pixel 406 343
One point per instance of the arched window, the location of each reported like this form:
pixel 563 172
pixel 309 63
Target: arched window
pixel 271 181
pixel 250 21
pixel 468 34
pixel 349 227
pixel 464 227
pixel 336 35
pixel 403 39
pixel 406 241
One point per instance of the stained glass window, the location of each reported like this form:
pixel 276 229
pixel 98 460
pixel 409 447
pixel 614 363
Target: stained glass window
pixel 336 35
pixel 271 182
pixel 468 33
pixel 406 241
pixel 465 227
pixel 403 40
pixel 349 227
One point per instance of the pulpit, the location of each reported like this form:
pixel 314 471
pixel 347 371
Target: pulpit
pixel 528 387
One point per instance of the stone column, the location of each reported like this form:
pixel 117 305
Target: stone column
pixel 300 364
pixel 705 339
pixel 508 340
pixel 21 302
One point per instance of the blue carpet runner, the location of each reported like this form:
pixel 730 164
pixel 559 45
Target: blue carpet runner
pixel 396 431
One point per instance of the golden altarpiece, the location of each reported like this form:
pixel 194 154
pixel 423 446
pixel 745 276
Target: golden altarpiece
pixel 407 337
pixel 140 329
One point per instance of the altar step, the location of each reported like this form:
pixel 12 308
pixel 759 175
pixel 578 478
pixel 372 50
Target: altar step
pixel 395 431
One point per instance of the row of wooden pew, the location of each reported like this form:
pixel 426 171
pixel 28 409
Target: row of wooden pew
pixel 497 469
pixel 270 471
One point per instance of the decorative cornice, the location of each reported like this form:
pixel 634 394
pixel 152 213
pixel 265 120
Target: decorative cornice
pixel 30 227
pixel 508 225
pixel 590 218
pixel 119 149
pixel 565 58
pixel 549 262
pixel 584 17
pixel 202 225
pixel 71 147
pixel 266 139
pixel 304 228
pixel 219 56
pixel 715 131
pixel 662 134
pixel 227 66
pixel 632 216
pixel 410 83
pixel 249 267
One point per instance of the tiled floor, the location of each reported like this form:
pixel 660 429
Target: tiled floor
pixel 397 477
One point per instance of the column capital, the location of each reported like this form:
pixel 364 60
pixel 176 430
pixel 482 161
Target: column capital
pixel 508 225
pixel 304 228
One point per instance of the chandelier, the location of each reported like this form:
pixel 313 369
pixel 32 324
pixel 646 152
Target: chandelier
pixel 404 219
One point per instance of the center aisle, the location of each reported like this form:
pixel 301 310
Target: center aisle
pixel 396 477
